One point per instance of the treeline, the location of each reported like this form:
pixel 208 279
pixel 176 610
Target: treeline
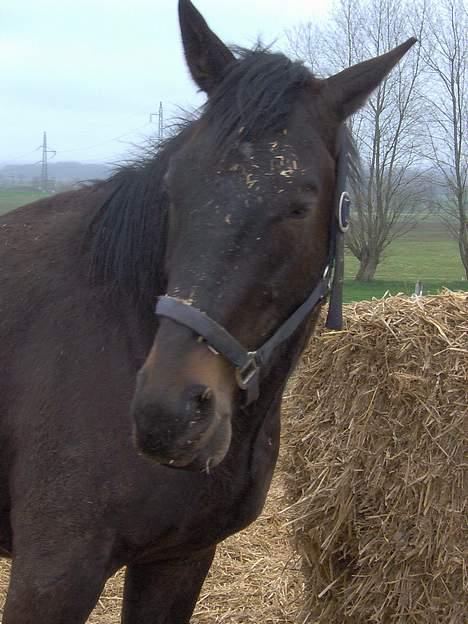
pixel 412 137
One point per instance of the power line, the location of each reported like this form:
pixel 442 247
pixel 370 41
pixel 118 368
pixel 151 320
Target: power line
pixel 92 146
pixel 20 156
pixel 88 147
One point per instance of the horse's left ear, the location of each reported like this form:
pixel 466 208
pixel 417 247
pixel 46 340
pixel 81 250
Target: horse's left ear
pixel 206 55
pixel 350 89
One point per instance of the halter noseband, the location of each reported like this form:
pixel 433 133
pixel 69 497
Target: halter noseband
pixel 248 364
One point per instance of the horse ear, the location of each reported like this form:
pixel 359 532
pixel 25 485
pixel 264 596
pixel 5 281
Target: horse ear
pixel 351 87
pixel 206 55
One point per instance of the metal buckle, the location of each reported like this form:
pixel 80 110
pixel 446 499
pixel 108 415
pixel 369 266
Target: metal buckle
pixel 343 212
pixel 246 373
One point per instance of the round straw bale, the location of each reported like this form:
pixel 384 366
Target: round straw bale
pixel 377 472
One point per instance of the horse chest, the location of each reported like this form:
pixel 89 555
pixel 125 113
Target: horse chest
pixel 246 503
pixel 227 503
pixel 246 481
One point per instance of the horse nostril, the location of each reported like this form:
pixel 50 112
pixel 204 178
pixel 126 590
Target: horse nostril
pixel 200 402
pixel 206 395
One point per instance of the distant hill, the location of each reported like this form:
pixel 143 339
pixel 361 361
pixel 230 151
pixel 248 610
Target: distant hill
pixel 60 172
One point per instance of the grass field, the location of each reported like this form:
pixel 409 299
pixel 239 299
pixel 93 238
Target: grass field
pixel 12 199
pixel 356 291
pixel 426 254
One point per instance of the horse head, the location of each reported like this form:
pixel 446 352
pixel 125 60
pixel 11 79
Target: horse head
pixel 251 200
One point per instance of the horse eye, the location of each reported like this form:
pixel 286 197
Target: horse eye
pixel 298 211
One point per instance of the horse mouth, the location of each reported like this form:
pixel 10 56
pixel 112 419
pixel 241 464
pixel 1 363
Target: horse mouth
pixel 195 465
pixel 200 455
pixel 201 462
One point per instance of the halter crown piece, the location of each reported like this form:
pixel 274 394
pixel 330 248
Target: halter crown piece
pixel 248 364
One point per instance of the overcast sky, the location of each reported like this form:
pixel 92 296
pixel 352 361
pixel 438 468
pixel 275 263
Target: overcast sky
pixel 89 71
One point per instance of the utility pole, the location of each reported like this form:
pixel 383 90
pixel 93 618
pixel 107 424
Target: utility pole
pixel 160 116
pixel 44 184
pixel 161 122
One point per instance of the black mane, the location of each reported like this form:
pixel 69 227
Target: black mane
pixel 127 235
pixel 256 96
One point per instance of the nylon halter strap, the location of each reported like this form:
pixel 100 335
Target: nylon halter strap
pixel 248 365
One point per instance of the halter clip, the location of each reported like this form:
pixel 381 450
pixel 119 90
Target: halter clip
pixel 246 373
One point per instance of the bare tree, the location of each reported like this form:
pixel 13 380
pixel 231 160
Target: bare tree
pixel 388 131
pixel 445 51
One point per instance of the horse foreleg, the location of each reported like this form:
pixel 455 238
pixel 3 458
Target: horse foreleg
pixel 59 588
pixel 164 592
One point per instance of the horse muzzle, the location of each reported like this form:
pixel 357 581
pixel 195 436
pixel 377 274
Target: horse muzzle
pixel 189 433
pixel 183 403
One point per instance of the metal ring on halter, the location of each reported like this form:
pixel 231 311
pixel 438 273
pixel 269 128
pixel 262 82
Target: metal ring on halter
pixel 343 212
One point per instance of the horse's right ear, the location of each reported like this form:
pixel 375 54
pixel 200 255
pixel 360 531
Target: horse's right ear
pixel 206 55
pixel 349 89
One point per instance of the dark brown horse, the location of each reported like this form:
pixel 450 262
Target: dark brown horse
pixel 230 217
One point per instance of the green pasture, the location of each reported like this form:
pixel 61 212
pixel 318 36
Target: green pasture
pixel 427 253
pixel 10 199
pixel 358 291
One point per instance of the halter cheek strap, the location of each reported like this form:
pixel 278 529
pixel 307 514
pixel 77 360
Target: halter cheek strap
pixel 339 226
pixel 248 364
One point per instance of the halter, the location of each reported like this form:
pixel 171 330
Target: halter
pixel 249 364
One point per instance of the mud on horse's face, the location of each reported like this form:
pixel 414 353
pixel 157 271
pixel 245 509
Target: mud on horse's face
pixel 251 192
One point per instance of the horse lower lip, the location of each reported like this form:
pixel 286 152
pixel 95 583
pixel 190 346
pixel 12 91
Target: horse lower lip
pixel 165 461
pixel 191 461
pixel 178 459
pixel 193 465
pixel 177 463
pixel 180 466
